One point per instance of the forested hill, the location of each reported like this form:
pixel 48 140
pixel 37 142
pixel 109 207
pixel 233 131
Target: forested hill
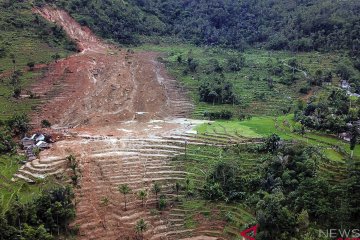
pixel 298 25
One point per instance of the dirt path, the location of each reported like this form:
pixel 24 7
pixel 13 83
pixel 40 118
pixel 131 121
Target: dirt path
pixel 124 118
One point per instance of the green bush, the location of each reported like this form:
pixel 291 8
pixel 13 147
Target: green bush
pixel 45 124
pixel 224 114
pixel 19 124
pixel 7 144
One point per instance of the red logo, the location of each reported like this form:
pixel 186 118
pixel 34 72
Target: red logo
pixel 250 230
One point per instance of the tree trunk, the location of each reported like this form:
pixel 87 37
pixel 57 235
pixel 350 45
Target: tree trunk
pixel 352 154
pixel 125 201
pixel 57 222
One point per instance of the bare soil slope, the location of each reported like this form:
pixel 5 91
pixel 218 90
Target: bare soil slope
pixel 100 84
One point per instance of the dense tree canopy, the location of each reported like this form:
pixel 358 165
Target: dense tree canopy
pixel 287 191
pixel 43 218
pixel 299 25
pixel 332 112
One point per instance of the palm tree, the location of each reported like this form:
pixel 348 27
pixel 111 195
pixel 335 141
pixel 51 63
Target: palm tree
pixel 124 189
pixel 213 95
pixel 104 201
pixel 177 188
pixel 140 227
pixel 142 194
pixel 156 189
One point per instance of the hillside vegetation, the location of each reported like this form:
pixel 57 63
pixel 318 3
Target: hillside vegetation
pixel 296 25
pixel 26 40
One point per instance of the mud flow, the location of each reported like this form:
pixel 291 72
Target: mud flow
pixel 124 118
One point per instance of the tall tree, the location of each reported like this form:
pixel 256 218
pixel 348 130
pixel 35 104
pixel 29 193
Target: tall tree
pixel 142 195
pixel 156 190
pixel 124 189
pixel 140 227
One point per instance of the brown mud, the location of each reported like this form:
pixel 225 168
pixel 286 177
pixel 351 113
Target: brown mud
pixel 124 118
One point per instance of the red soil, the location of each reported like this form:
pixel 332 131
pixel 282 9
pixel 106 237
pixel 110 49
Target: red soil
pixel 100 85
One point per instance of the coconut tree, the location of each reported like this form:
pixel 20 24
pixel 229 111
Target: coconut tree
pixel 213 95
pixel 140 227
pixel 104 201
pixel 124 189
pixel 156 189
pixel 142 195
pixel 177 188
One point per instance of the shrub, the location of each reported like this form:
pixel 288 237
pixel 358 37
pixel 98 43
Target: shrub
pixel 235 64
pixel 217 90
pixel 45 124
pixel 224 114
pixel 19 124
pixel 305 90
pixel 162 202
pixel 6 143
pixel 36 151
pixel 31 65
pixel 17 92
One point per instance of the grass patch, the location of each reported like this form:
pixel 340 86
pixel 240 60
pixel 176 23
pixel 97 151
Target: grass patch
pixel 333 155
pixel 283 126
pixel 228 127
pixel 25 37
pixel 10 190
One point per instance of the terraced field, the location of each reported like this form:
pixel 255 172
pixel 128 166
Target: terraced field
pixel 107 162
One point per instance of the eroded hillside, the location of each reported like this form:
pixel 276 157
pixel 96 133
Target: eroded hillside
pixel 124 119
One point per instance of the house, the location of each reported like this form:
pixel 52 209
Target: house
pixel 38 137
pixel 42 145
pixel 345 136
pixel 27 142
pixel 37 140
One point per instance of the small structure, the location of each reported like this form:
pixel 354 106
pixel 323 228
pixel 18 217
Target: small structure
pixel 37 140
pixel 27 142
pixel 42 145
pixel 346 85
pixel 345 136
pixel 38 137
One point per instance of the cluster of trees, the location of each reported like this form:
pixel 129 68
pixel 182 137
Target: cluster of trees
pixel 331 112
pixel 113 19
pixel 214 88
pixel 295 25
pixel 18 18
pixel 217 90
pixel 16 126
pixel 7 144
pixel 143 194
pixel 287 192
pixel 44 218
pixel 224 114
